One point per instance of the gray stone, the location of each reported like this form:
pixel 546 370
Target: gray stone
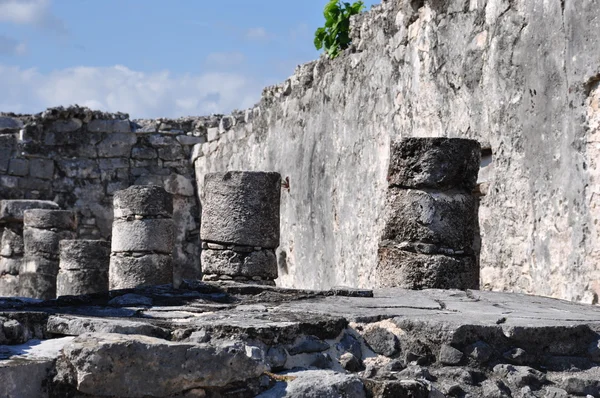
pixel 177 184
pixel 109 126
pixel 449 355
pixel 147 200
pixel 75 325
pixel 351 363
pixel 146 235
pixel 11 243
pixel 494 389
pixel 10 123
pixel 227 262
pixel 84 254
pixel 172 152
pixel 46 219
pixel 240 207
pixel 308 344
pixel 9 284
pixel 131 300
pixel 438 163
pixel 37 286
pixel 276 358
pixel 10 266
pixel 444 219
pixel 399 268
pixel 83 281
pixel 554 392
pixel 143 153
pixel 18 167
pixel 7 146
pixel 67 126
pixel 520 376
pixel 154 367
pixel 187 140
pixel 41 168
pixel 317 383
pixel 479 351
pixel 382 341
pixel 44 242
pixel 39 265
pixel 129 272
pixel 594 351
pixel 212 133
pixel 116 145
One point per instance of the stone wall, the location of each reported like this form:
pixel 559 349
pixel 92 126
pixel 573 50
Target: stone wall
pixel 519 76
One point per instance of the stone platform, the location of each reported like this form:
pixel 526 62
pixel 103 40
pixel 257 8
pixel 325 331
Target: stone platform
pixel 234 340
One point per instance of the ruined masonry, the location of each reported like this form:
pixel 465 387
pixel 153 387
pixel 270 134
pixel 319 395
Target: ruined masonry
pixel 42 232
pixel 11 241
pixel 429 236
pixel 240 226
pixel 83 267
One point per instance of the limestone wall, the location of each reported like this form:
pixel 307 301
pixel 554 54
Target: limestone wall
pixel 520 76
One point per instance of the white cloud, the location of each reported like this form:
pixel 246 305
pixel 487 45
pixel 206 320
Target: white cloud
pixel 10 46
pixel 31 12
pixel 118 88
pixel 258 34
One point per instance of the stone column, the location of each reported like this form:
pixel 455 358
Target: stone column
pixel 83 267
pixel 142 238
pixel 11 241
pixel 431 215
pixel 43 230
pixel 240 226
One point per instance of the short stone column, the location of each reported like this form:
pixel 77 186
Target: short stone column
pixel 142 238
pixel 11 241
pixel 431 215
pixel 83 267
pixel 240 226
pixel 43 230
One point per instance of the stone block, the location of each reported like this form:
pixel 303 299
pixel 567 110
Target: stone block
pixel 147 235
pixel 158 140
pixel 261 263
pixel 79 168
pixel 440 218
pixel 9 287
pixel 143 153
pixel 67 126
pixel 11 243
pixel 39 265
pixel 11 266
pixel 178 184
pixel 399 268
pixel 42 168
pixel 241 207
pixel 109 126
pixel 85 281
pixel 38 286
pixel 128 272
pixel 44 242
pixel 147 200
pixel 34 184
pixel 82 254
pixel 212 134
pixel 10 123
pixel 12 210
pixel 18 167
pixel 173 152
pixel 46 219
pixel 438 163
pixel 116 145
pixel 7 146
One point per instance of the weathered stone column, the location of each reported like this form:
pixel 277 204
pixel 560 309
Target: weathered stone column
pixel 142 238
pixel 83 267
pixel 240 226
pixel 11 241
pixel 431 215
pixel 43 230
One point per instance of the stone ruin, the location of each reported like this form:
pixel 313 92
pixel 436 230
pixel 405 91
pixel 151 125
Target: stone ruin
pixel 136 262
pixel 123 326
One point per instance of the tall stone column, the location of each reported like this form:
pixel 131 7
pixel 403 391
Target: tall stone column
pixel 43 230
pixel 11 241
pixel 431 215
pixel 142 238
pixel 240 226
pixel 83 267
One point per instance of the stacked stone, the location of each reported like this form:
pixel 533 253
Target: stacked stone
pixel 11 241
pixel 142 238
pixel 83 267
pixel 240 226
pixel 42 233
pixel 431 215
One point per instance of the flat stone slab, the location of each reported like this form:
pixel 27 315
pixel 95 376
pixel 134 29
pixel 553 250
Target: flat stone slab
pixel 13 210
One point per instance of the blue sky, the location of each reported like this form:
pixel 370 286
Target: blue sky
pixel 151 58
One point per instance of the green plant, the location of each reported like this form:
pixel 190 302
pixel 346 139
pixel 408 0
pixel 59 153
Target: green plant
pixel 335 35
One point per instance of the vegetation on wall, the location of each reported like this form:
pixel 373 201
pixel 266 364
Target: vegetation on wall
pixel 335 35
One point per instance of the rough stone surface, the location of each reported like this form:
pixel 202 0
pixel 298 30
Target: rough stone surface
pixel 13 210
pixel 84 254
pixel 143 201
pixel 44 242
pixel 147 270
pixel 83 281
pixel 262 263
pixel 147 235
pixel 241 207
pixel 401 268
pixel 47 219
pixel 438 163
